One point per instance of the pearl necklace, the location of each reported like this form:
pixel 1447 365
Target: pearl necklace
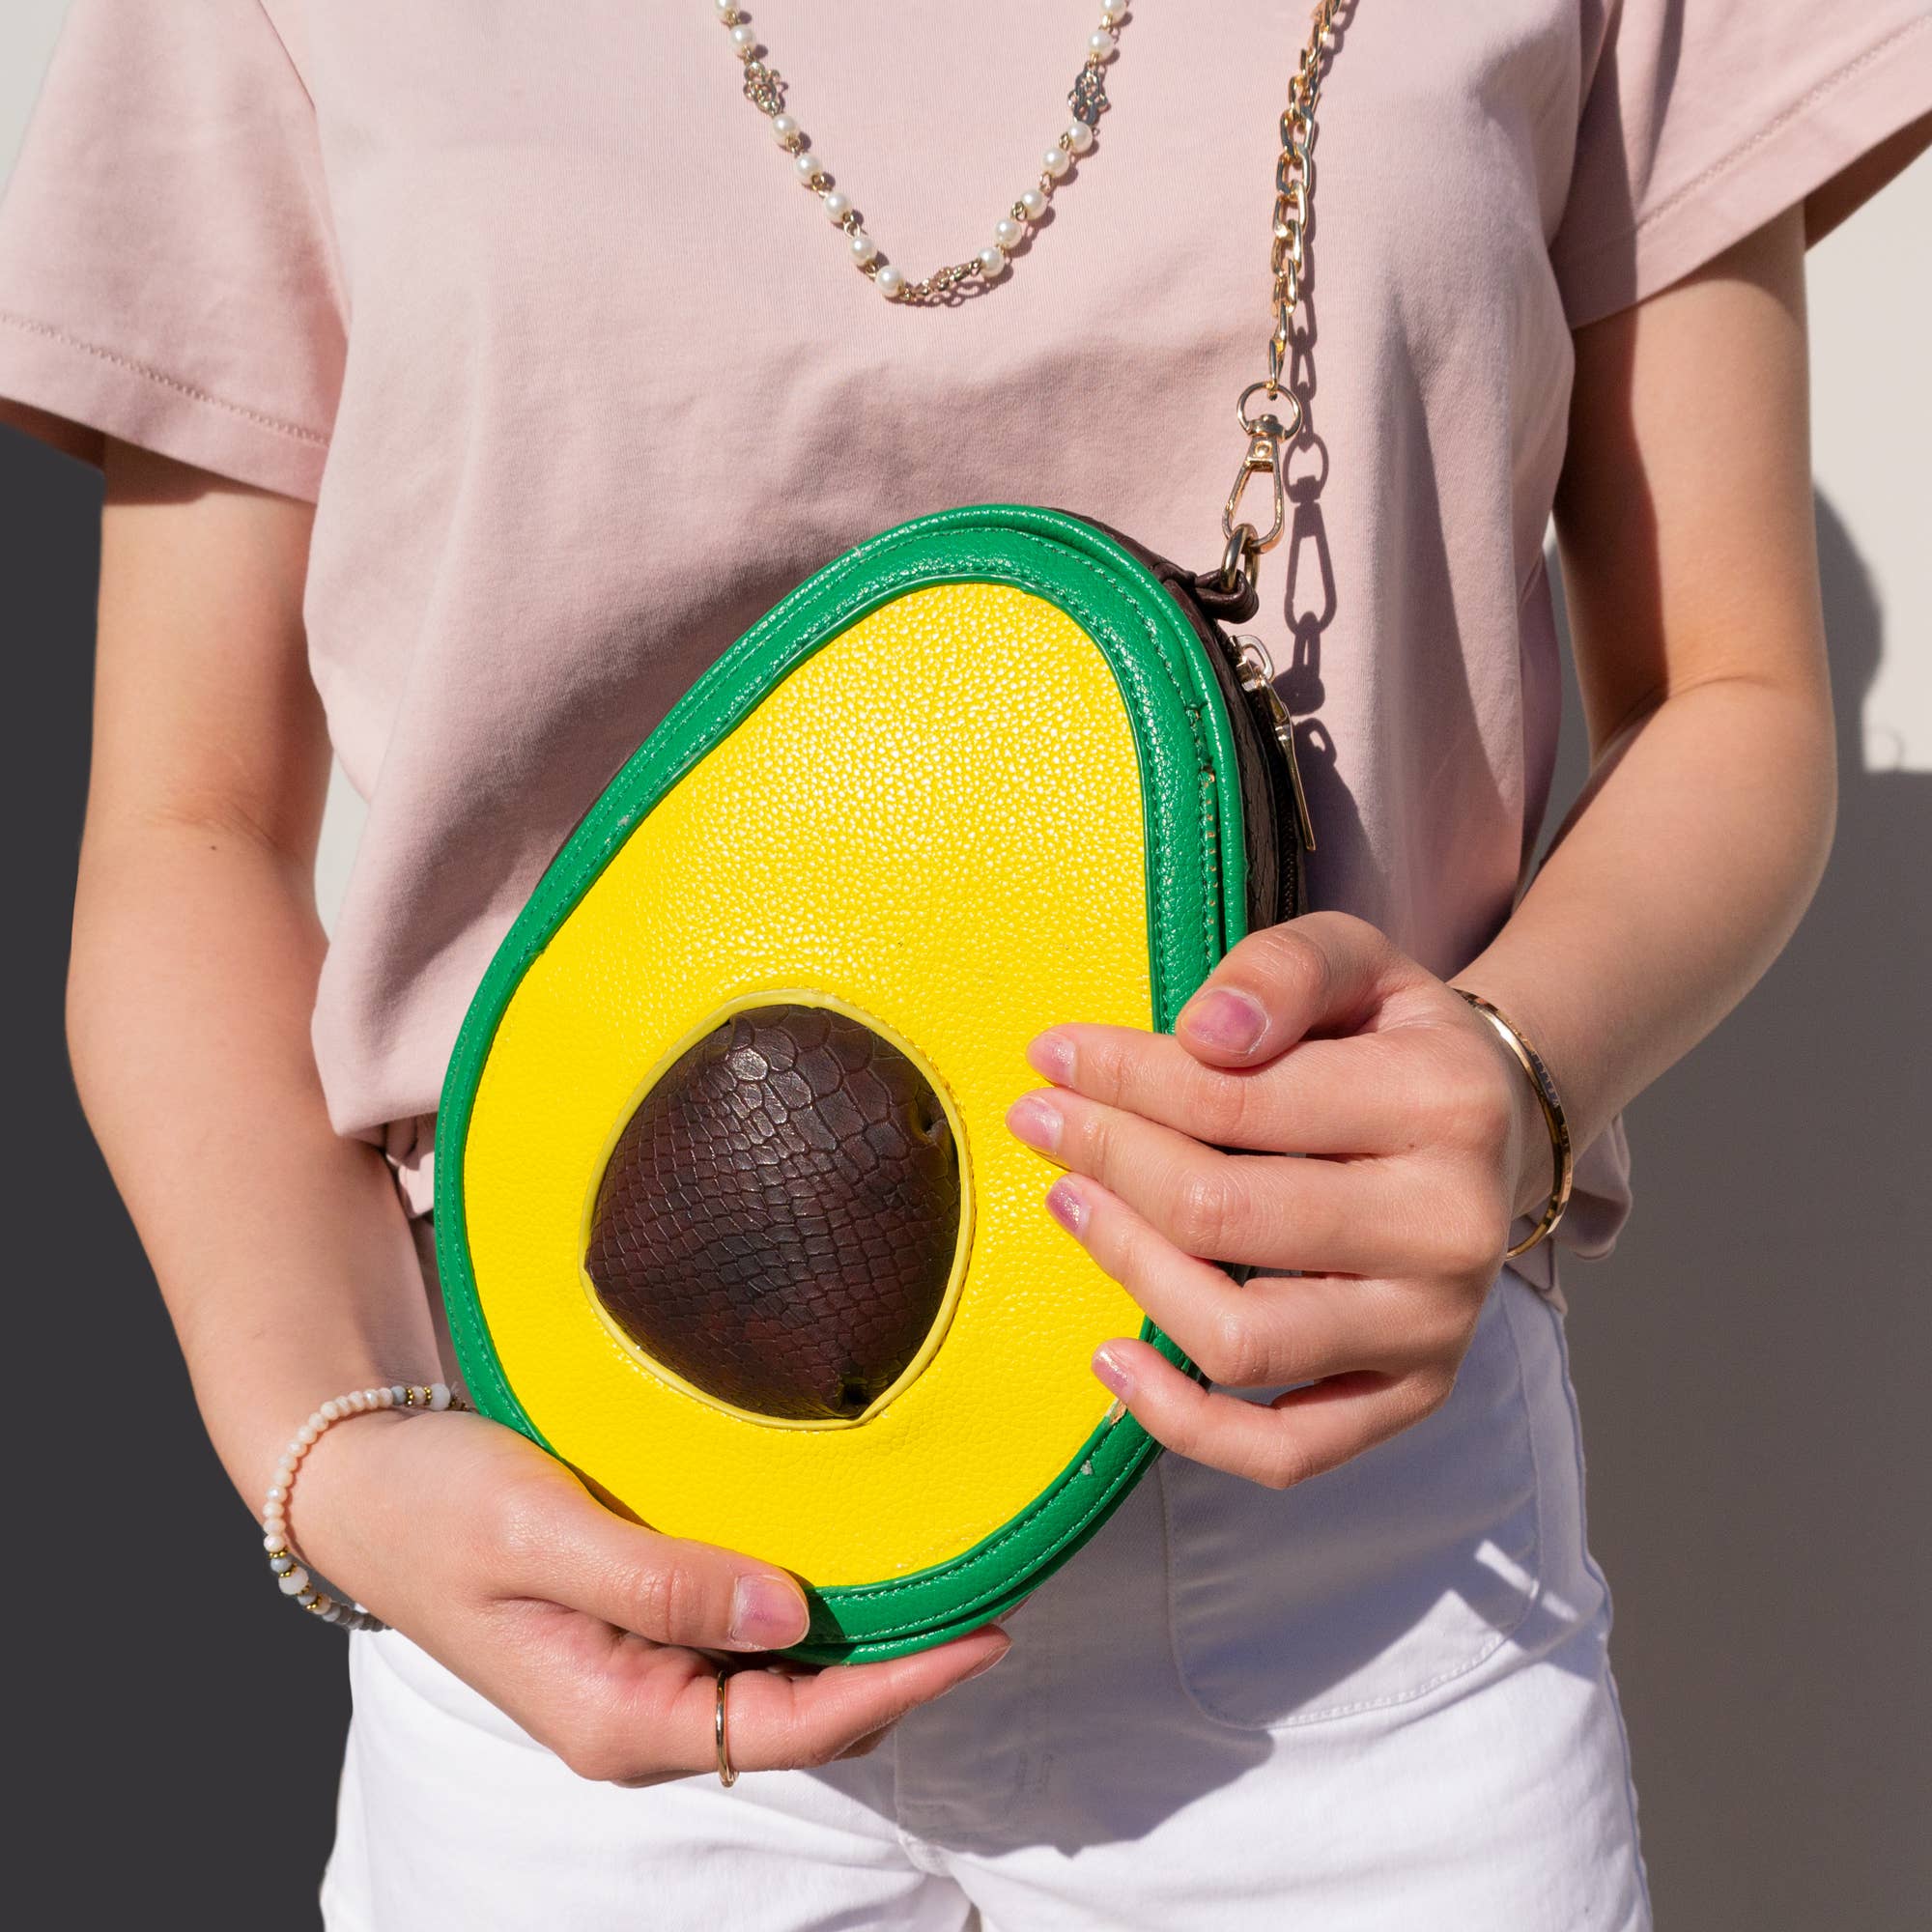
pixel 764 89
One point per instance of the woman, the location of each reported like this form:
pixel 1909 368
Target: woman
pixel 467 379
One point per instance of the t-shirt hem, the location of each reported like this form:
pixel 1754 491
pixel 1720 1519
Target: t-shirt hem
pixel 1833 123
pixel 50 369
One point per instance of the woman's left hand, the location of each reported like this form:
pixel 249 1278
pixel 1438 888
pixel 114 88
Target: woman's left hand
pixel 1425 1140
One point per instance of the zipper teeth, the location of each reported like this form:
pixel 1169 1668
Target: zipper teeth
pixel 1276 780
pixel 1242 707
pixel 1255 734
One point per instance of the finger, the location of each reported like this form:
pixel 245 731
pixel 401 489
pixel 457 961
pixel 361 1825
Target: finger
pixel 1271 1329
pixel 560 1544
pixel 618 1708
pixel 1300 1434
pixel 1365 1218
pixel 777 1723
pixel 1323 973
pixel 1357 1095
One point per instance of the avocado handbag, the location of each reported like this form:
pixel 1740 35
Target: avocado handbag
pixel 726 1212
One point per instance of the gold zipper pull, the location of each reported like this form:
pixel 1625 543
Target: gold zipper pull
pixel 1255 668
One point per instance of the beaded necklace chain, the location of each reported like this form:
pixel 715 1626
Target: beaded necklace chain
pixel 764 89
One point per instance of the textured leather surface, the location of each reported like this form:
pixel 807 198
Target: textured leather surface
pixel 1277 869
pixel 967 869
pixel 973 778
pixel 779 1218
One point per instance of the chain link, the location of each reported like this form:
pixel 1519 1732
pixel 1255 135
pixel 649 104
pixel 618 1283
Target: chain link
pixel 1294 184
pixel 1293 197
pixel 765 89
pixel 941 283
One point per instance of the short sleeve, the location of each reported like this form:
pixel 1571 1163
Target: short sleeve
pixel 167 273
pixel 1702 120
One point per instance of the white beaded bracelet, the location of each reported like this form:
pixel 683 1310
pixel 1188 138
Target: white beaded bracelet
pixel 291 1574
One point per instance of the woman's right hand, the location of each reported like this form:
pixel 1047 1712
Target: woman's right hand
pixel 196 954
pixel 594 1633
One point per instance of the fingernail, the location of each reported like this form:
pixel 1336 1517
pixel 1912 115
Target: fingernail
pixel 766 1613
pixel 1065 1205
pixel 1225 1018
pixel 1113 1373
pixel 1037 1121
pixel 981 1670
pixel 1052 1055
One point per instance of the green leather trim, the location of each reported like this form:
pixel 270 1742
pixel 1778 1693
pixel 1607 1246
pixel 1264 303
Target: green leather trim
pixel 1195 897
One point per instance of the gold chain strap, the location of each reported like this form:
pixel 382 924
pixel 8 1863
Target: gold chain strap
pixel 1295 182
pixel 1268 434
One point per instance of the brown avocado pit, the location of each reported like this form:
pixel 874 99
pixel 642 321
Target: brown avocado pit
pixel 777 1221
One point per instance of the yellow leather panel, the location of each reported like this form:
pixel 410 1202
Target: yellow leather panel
pixel 937 819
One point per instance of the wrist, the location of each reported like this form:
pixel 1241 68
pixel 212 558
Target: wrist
pixel 1534 1163
pixel 1538 1162
pixel 325 1491
pixel 254 1420
pixel 340 1491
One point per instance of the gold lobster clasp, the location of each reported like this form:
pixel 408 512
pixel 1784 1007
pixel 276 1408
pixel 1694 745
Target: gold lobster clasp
pixel 1268 436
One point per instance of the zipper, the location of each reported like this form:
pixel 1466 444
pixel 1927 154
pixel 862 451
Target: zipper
pixel 1272 789
pixel 1274 805
pixel 1257 674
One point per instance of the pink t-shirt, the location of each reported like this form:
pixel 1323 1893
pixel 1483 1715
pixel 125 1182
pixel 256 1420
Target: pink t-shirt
pixel 524 296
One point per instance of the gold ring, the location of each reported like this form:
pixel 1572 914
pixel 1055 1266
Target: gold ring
pixel 727 1775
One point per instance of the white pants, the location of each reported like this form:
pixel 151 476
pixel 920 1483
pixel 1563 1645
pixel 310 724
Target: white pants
pixel 1377 1702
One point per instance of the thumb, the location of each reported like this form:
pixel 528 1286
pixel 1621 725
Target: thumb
pixel 1325 973
pixel 664 1588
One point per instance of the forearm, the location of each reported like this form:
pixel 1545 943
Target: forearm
pixel 280 1247
pixel 1674 884
pixel 1690 575
pixel 286 1263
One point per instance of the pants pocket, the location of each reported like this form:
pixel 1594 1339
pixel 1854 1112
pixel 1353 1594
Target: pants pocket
pixel 1373 1585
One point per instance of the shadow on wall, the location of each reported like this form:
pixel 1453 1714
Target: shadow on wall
pixel 1753 1367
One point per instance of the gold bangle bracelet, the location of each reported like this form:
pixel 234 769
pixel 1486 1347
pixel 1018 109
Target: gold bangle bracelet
pixel 1562 1156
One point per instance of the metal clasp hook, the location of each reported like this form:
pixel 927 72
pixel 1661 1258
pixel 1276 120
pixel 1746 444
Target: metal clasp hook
pixel 1268 437
pixel 1263 454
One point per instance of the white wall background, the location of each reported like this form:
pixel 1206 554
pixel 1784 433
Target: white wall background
pixel 1871 416
pixel 1751 1357
pixel 27 30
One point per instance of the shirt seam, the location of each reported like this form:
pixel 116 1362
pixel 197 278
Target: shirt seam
pixel 1569 261
pixel 1775 127
pixel 160 378
pixel 282 42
